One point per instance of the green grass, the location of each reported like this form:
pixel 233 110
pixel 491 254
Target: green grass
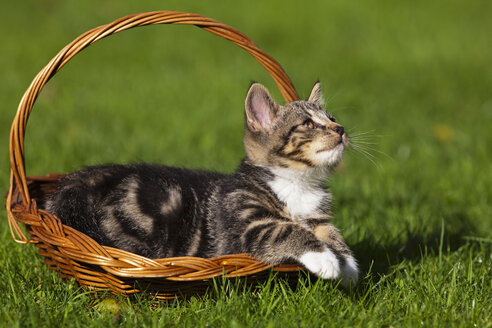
pixel 415 75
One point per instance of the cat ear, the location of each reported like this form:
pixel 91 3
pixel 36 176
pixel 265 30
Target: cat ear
pixel 316 96
pixel 260 108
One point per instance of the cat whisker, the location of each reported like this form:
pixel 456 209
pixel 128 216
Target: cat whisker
pixel 364 142
pixel 368 155
pixel 365 135
pixel 368 148
pixel 361 132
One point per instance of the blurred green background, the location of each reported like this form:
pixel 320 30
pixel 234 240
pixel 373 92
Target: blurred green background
pixel 414 77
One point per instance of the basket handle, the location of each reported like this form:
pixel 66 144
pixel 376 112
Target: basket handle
pixel 17 132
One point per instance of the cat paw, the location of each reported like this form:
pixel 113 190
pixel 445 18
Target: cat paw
pixel 350 272
pixel 323 264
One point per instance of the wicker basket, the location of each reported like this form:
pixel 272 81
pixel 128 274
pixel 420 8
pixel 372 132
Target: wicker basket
pixel 75 255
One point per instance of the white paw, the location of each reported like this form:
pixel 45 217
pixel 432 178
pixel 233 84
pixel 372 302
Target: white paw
pixel 350 272
pixel 323 264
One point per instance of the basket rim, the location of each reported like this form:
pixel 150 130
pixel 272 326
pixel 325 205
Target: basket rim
pixel 67 247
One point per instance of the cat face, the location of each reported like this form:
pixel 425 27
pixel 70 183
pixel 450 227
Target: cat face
pixel 298 135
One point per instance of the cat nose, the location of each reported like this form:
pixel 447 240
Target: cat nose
pixel 339 129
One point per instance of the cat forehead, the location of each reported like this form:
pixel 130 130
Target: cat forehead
pixel 306 109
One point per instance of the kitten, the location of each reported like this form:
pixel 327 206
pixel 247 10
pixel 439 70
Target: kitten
pixel 275 206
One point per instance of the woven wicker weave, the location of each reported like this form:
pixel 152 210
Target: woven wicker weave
pixel 75 255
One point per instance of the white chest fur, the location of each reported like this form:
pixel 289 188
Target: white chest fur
pixel 300 191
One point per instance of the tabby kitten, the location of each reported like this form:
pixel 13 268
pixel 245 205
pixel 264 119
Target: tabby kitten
pixel 275 206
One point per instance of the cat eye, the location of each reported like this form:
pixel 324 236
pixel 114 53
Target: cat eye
pixel 311 125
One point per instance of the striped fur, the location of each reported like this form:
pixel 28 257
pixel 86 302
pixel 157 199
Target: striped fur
pixel 275 206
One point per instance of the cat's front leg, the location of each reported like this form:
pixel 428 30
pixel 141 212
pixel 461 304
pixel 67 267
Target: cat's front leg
pixel 274 241
pixel 324 263
pixel 330 235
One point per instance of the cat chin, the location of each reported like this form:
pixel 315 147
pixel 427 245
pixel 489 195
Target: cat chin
pixel 330 157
